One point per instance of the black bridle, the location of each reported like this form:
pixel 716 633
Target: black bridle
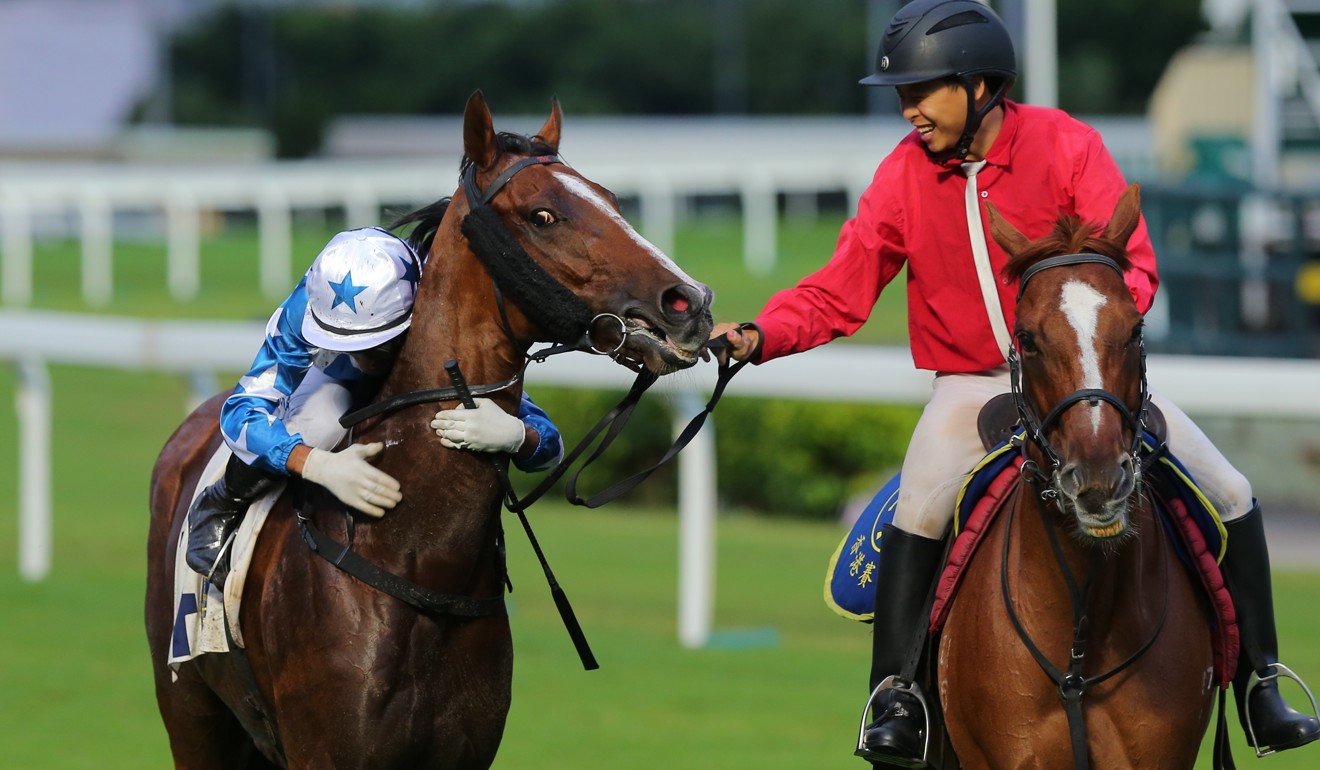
pixel 1037 428
pixel 1071 681
pixel 565 317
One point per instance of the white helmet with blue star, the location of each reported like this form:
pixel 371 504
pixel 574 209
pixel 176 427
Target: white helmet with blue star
pixel 360 291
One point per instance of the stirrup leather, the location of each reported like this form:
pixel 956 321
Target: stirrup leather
pixel 902 685
pixel 1255 680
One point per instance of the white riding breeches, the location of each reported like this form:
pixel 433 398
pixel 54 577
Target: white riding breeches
pixel 945 446
pixel 314 408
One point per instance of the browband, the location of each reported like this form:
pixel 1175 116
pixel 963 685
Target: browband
pixel 1064 259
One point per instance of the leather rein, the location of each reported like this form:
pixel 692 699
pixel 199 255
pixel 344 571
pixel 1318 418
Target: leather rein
pixel 1071 682
pixel 508 263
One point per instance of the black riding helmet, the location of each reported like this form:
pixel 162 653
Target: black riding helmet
pixel 932 39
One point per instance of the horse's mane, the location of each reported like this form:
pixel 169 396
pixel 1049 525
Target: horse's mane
pixel 426 220
pixel 1071 235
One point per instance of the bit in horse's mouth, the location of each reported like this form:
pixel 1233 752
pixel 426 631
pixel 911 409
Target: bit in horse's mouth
pixel 642 326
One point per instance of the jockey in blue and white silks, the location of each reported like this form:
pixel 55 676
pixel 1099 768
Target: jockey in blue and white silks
pixel 252 419
pixel 327 349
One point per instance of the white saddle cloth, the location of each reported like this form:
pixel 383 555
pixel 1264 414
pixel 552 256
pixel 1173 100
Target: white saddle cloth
pixel 199 609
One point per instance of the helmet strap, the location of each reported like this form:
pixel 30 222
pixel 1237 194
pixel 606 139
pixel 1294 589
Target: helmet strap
pixel 974 116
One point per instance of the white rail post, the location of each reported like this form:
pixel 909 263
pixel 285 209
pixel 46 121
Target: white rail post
pixel 184 245
pixel 1267 120
pixel 362 207
pixel 658 212
pixel 760 218
pixel 1042 59
pixel 34 461
pixel 275 226
pixel 16 217
pixel 97 218
pixel 202 384
pixel 696 522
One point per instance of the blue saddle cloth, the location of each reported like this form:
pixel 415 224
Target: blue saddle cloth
pixel 850 587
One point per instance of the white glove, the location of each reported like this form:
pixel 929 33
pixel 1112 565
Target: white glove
pixel 487 428
pixel 356 482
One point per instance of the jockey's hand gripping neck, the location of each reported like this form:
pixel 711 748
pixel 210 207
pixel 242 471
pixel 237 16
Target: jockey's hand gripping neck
pixel 356 482
pixel 488 428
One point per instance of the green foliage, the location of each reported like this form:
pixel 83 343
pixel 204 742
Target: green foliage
pixel 1111 54
pixel 774 456
pixel 291 68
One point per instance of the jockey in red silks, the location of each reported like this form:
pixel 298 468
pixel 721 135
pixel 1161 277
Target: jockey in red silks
pixel 328 347
pixel 952 62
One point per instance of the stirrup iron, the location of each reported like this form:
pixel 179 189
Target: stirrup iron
pixel 902 685
pixel 1255 680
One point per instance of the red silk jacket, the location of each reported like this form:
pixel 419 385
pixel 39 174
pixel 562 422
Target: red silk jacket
pixel 1043 163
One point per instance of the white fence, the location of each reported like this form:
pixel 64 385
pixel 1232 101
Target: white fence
pixel 662 162
pixel 32 340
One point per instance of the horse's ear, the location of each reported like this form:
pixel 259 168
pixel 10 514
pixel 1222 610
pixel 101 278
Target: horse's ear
pixel 549 133
pixel 479 131
pixel 1009 238
pixel 1126 215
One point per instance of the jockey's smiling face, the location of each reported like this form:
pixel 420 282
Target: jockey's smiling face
pixel 938 110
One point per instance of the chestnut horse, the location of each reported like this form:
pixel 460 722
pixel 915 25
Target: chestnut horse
pixel 345 675
pixel 1078 540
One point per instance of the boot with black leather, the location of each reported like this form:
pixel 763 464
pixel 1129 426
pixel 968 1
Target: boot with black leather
pixel 215 515
pixel 1270 723
pixel 908 565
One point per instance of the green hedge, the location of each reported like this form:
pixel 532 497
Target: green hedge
pixel 774 456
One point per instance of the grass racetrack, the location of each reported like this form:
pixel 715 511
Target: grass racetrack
pixel 75 684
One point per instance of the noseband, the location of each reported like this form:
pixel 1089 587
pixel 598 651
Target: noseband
pixel 544 300
pixel 1037 428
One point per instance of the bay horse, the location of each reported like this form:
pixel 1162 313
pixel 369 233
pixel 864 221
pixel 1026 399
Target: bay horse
pixel 1079 516
pixel 342 675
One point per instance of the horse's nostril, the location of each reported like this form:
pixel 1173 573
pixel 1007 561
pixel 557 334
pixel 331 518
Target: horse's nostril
pixel 681 300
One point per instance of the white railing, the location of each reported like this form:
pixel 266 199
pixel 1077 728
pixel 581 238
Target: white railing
pixel 661 162
pixel 33 340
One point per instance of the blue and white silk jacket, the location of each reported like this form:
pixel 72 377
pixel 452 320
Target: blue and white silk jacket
pixel 252 419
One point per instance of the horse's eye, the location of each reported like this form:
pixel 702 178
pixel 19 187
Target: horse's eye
pixel 543 217
pixel 1135 339
pixel 1026 342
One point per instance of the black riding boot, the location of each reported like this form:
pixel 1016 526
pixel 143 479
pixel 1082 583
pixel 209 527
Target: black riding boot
pixel 215 514
pixel 908 564
pixel 1246 566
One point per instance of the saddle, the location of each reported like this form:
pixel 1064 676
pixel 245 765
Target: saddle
pixel 998 421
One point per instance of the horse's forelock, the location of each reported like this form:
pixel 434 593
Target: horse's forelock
pixel 1071 235
pixel 517 144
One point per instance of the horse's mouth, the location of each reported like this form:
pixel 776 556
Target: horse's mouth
pixel 1103 527
pixel 657 348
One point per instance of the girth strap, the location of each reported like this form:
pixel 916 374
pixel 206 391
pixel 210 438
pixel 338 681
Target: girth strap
pixel 424 599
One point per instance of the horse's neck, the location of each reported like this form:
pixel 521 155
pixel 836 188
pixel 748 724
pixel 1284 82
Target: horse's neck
pixel 442 529
pixel 455 316
pixel 1126 594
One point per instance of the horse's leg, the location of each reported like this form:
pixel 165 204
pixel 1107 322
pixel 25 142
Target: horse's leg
pixel 204 734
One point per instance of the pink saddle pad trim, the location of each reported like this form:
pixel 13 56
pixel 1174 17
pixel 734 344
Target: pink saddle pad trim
pixel 1000 491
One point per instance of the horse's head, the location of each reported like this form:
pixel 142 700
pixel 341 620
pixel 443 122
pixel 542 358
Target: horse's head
pixel 1079 349
pixel 557 246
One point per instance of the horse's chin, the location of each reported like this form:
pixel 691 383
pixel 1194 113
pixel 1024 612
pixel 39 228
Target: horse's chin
pixel 1109 523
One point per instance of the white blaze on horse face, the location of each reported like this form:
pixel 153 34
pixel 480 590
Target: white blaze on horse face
pixel 583 190
pixel 1081 306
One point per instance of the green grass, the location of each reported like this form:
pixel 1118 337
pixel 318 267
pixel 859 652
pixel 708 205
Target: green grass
pixel 75 684
pixel 709 249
